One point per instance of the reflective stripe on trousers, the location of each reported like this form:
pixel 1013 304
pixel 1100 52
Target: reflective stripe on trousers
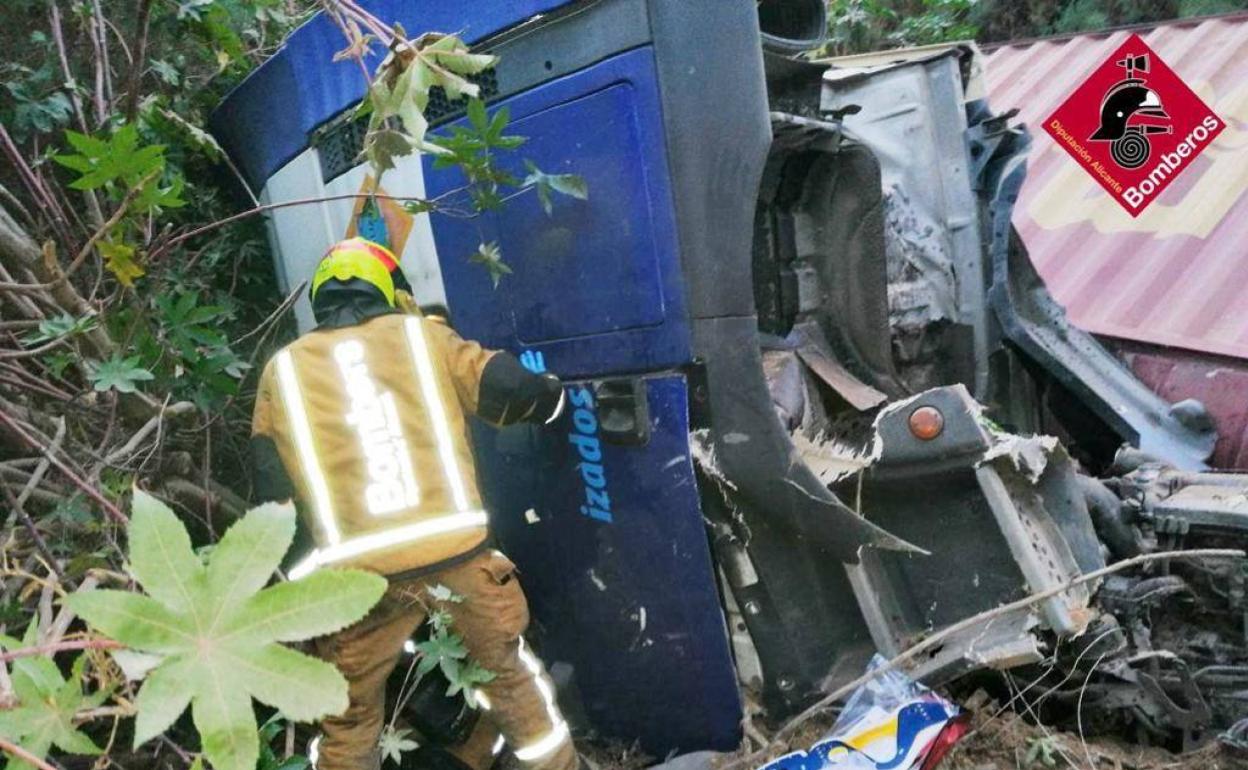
pixel 558 728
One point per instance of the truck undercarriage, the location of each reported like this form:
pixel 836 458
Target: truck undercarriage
pixel 925 375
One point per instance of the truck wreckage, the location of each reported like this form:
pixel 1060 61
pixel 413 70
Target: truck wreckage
pixel 807 336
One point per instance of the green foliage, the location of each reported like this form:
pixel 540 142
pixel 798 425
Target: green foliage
pixel 119 162
pixel 119 374
pixel 867 25
pixel 47 704
pixel 1080 15
pixel 394 743
pixel 270 759
pixel 939 21
pixel 444 649
pixel 181 343
pixel 128 171
pixel 187 325
pixel 400 92
pixel 37 100
pixel 489 256
pixel 1042 751
pixel 63 325
pixel 219 634
pixel 567 184
pixel 397 98
pixel 470 149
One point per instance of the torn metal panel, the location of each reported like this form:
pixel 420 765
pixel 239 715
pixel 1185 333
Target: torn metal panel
pixel 913 120
pixel 816 352
pixel 1002 515
pixel 1040 551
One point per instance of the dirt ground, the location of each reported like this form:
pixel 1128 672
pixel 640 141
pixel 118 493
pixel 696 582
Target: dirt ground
pixel 998 740
pixel 1007 742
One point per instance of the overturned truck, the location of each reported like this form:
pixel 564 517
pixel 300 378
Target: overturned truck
pixel 824 404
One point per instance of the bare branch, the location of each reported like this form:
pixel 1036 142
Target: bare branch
pixel 89 490
pixel 20 753
pixel 139 62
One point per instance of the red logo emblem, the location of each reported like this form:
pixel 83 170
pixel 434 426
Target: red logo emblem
pixel 1134 125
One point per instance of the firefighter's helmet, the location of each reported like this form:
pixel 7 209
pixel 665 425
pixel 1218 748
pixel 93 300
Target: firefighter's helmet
pixel 357 258
pixel 1123 102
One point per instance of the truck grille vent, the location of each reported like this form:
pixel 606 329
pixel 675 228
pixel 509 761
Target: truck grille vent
pixel 339 144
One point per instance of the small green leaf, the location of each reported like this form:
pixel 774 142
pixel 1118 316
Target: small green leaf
pixel 477 117
pixel 489 256
pixel 394 743
pixel 441 593
pixel 119 374
pixel 63 325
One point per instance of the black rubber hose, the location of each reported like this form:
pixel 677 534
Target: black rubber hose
pixel 1106 511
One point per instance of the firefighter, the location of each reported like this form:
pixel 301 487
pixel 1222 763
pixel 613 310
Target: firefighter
pixel 363 421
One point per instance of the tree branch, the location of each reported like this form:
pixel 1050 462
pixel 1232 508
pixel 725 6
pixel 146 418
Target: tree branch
pixel 20 753
pixel 52 649
pixel 89 490
pixel 139 63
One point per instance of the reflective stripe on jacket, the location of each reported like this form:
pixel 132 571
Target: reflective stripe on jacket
pixel 368 421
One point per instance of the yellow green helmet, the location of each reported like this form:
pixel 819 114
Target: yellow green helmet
pixel 357 258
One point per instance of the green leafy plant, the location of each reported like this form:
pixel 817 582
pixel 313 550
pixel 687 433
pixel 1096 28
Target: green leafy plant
pixel 572 185
pixel 117 160
pixel 397 97
pixel 400 92
pixel 39 103
pixel 1042 750
pixel 270 759
pixel 394 743
pixel 219 634
pixel 47 705
pixel 189 325
pixel 63 325
pixel 444 649
pixel 119 374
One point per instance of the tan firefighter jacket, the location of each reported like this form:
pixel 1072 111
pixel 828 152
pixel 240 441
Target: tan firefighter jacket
pixel 368 421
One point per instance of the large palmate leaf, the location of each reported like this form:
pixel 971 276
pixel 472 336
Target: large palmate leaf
pixel 218 631
pixel 46 705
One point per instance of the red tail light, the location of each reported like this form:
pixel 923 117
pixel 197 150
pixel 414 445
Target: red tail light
pixel 950 735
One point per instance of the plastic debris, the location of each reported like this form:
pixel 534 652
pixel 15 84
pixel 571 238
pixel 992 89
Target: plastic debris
pixel 889 723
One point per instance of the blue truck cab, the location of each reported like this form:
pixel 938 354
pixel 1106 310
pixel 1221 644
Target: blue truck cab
pixel 661 108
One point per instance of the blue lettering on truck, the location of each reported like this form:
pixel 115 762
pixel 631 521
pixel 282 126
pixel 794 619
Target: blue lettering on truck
pixel 584 437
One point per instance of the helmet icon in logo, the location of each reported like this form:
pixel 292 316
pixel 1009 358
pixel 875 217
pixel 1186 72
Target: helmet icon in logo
pixel 1130 111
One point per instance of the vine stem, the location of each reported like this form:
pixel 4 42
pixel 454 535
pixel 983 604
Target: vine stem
pixel 20 753
pixel 50 649
pixel 975 620
pixel 432 203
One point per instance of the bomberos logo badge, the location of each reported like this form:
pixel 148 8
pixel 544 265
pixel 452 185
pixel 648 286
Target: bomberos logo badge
pixel 1134 125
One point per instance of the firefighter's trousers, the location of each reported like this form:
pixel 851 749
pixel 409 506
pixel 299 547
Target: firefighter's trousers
pixel 518 704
